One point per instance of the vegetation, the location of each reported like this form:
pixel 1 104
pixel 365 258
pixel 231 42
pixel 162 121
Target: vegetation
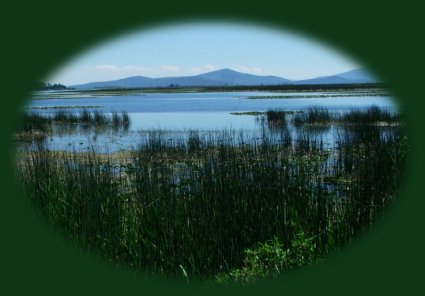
pixel 370 89
pixel 63 107
pixel 271 258
pixel 49 86
pixel 315 96
pixel 36 127
pixel 227 206
pixel 259 113
pixel 35 122
pixel 300 87
pixel 372 115
pixel 254 113
pixel 313 115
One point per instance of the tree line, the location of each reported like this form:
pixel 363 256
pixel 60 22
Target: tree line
pixel 49 86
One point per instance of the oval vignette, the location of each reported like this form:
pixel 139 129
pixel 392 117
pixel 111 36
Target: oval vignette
pixel 212 151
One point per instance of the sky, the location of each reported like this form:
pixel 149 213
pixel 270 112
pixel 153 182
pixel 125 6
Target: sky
pixel 195 48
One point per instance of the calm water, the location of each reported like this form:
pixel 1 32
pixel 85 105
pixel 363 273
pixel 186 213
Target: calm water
pixel 177 112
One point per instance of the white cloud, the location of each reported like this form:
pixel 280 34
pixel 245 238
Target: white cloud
pixel 252 70
pixel 209 67
pixel 196 70
pixel 136 68
pixel 107 67
pixel 125 70
pixel 170 68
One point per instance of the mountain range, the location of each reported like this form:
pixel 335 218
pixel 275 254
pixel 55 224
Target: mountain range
pixel 227 77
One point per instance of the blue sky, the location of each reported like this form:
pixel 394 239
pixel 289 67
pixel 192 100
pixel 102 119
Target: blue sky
pixel 195 48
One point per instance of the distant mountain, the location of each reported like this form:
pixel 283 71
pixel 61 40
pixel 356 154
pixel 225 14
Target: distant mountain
pixel 359 75
pixel 216 78
pixel 226 77
pixel 230 77
pixel 129 82
pixel 324 80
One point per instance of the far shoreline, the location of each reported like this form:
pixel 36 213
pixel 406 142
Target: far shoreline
pixel 272 88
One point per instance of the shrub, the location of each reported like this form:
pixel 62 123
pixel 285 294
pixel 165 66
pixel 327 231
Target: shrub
pixel 271 258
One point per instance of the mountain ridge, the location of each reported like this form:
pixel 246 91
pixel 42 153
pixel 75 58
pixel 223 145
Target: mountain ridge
pixel 226 77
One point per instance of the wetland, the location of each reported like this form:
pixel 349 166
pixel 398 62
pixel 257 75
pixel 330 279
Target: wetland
pixel 216 186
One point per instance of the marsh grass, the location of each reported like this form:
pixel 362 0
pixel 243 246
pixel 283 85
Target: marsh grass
pixel 190 207
pixel 62 107
pixel 314 115
pixel 35 122
pixel 315 96
pixel 37 125
pixel 373 114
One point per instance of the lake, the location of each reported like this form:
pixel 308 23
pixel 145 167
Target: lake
pixel 177 112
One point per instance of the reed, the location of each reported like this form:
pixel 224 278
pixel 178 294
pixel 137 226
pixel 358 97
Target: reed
pixel 34 121
pixel 373 114
pixel 313 115
pixel 189 206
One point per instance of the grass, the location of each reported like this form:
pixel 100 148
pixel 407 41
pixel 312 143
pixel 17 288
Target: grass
pixel 314 115
pixel 315 96
pixel 36 126
pixel 224 207
pixel 271 258
pixel 372 115
pixel 253 113
pixel 32 121
pixel 62 107
pixel 363 88
pixel 331 92
pixel 259 113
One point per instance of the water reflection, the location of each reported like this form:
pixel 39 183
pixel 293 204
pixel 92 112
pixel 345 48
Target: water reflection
pixel 176 115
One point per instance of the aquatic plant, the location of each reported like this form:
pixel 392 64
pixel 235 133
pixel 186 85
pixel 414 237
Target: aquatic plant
pixel 35 121
pixel 313 115
pixel 188 207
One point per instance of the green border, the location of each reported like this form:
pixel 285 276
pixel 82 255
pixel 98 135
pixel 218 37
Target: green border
pixel 37 38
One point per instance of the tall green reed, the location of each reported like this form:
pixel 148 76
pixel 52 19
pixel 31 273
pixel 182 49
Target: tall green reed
pixel 195 202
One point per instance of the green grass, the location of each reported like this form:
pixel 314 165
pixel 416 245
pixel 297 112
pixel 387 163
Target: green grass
pixel 36 127
pixel 271 258
pixel 372 115
pixel 34 122
pixel 314 115
pixel 204 206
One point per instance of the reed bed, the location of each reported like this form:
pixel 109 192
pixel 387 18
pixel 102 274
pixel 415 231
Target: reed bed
pixel 313 115
pixel 369 116
pixel 36 127
pixel 35 121
pixel 373 114
pixel 189 207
